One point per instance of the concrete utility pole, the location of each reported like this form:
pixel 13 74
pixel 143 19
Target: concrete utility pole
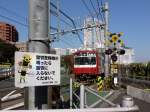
pixel 106 12
pixel 39 43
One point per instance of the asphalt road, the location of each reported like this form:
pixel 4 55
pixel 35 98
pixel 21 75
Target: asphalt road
pixel 6 86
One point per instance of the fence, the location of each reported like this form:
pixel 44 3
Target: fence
pixel 127 103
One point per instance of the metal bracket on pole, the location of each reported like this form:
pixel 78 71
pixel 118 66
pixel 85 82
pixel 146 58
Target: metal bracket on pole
pixel 39 39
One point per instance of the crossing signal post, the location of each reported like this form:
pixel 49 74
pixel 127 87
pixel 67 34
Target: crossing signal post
pixel 115 49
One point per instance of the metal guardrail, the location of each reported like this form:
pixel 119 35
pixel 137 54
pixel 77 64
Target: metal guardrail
pixel 99 101
pixel 122 109
pixel 119 109
pixel 100 98
pixel 127 103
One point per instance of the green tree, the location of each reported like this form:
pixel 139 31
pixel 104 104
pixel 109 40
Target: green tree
pixel 7 52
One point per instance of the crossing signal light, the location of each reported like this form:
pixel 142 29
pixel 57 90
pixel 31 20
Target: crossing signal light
pixel 114 58
pixel 108 51
pixel 115 38
pixel 121 52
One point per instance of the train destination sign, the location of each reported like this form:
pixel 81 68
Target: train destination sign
pixel 36 69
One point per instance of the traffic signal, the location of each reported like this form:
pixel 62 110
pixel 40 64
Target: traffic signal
pixel 114 58
pixel 108 51
pixel 121 52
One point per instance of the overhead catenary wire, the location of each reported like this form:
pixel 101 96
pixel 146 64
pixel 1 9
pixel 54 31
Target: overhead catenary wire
pixel 53 28
pixel 73 30
pixel 56 15
pixel 94 8
pixel 64 14
pixel 22 24
pixel 92 15
pixel 101 1
pixel 90 12
pixel 99 9
pixel 13 20
pixel 14 13
pixel 25 24
pixel 99 29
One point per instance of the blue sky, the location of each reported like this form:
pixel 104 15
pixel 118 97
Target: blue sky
pixel 129 16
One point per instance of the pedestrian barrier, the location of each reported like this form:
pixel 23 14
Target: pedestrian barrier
pixel 80 97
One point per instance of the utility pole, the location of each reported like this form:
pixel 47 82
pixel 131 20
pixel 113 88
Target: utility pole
pixel 38 41
pixel 105 9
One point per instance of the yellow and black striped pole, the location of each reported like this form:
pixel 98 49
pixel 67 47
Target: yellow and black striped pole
pixel 99 83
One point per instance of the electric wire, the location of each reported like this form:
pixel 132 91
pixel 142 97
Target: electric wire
pixel 96 31
pixel 87 8
pixel 99 9
pixel 97 15
pixel 13 20
pixel 64 14
pixel 94 8
pixel 101 1
pixel 56 15
pixel 13 13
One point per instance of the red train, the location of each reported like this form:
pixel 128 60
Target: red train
pixel 86 64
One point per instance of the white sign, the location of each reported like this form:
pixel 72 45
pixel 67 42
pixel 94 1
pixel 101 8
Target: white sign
pixel 36 69
pixel 115 80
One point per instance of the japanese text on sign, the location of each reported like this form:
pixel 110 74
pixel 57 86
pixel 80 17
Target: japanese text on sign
pixel 34 69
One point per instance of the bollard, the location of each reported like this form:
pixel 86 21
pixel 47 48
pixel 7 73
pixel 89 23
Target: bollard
pixel 127 101
pixel 81 96
pixel 70 93
pixel 0 104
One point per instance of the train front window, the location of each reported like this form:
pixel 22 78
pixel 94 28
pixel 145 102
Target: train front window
pixel 77 60
pixel 85 60
pixel 93 60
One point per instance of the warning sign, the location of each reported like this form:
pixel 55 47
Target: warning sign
pixel 114 68
pixel 36 69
